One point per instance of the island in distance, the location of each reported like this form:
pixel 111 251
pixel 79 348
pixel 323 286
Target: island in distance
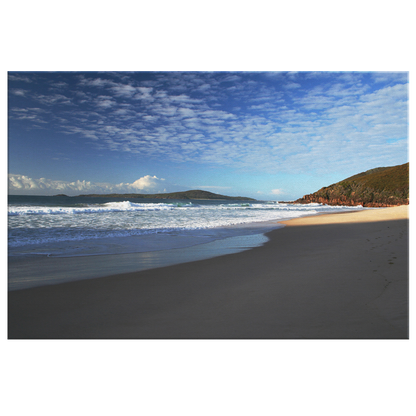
pixel 194 194
pixel 379 187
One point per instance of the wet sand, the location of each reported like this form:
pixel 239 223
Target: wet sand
pixel 335 276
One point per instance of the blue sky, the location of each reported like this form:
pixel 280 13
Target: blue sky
pixel 266 135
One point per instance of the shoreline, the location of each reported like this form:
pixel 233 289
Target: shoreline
pixel 94 259
pixel 42 270
pixel 325 276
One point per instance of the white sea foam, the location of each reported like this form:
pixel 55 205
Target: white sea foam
pixel 50 224
pixel 141 233
pixel 107 207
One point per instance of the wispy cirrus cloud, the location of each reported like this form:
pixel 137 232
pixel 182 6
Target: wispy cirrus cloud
pixel 18 91
pixel 53 99
pixel 20 77
pixel 269 123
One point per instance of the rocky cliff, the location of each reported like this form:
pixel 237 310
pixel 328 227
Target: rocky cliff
pixel 380 187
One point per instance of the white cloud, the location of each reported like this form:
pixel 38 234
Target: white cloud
pixel 105 101
pixel 19 78
pixel 292 85
pixel 340 118
pixel 53 99
pixel 277 191
pixel 146 183
pixel 96 82
pixel 17 91
pixel 23 185
pixel 123 90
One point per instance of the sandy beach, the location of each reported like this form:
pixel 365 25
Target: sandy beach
pixel 335 276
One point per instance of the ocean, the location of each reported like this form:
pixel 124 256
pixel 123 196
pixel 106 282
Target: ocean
pixel 53 239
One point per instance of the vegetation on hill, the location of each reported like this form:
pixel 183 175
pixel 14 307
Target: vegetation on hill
pixel 194 194
pixel 379 187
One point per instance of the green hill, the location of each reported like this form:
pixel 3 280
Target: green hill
pixel 379 187
pixel 194 194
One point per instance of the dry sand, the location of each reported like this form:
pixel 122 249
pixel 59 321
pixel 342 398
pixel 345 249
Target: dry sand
pixel 336 276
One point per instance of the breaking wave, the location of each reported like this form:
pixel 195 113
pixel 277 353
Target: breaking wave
pixel 93 209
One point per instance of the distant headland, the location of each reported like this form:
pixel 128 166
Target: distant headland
pixel 379 187
pixel 193 194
